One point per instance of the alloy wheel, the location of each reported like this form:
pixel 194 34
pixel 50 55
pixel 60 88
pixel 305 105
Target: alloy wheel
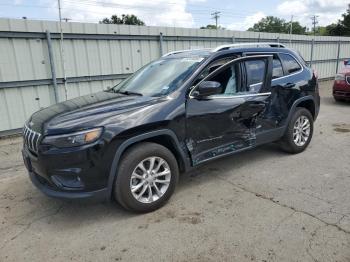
pixel 301 130
pixel 150 179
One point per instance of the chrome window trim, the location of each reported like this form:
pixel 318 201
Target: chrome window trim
pixel 232 96
pixel 298 72
pixel 235 96
pixel 240 96
pixel 278 78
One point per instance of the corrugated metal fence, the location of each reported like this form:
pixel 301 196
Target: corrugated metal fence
pixel 98 56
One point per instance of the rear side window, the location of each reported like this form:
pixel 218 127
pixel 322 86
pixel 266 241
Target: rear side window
pixel 255 71
pixel 277 70
pixel 290 63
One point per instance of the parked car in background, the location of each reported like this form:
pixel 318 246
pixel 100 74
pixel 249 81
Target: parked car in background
pixel 189 107
pixel 347 63
pixel 341 86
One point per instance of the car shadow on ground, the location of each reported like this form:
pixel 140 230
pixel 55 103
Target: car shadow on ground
pixel 78 211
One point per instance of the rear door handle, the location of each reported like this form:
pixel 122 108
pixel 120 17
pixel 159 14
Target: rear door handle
pixel 289 85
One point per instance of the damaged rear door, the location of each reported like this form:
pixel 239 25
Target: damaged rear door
pixel 225 122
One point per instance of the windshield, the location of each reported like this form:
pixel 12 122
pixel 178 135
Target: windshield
pixel 159 77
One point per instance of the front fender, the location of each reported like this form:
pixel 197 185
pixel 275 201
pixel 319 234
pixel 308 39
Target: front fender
pixel 139 138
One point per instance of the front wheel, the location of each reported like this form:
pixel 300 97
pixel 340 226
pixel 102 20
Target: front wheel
pixel 146 178
pixel 299 132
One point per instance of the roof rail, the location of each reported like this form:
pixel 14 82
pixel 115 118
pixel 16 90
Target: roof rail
pixel 252 44
pixel 185 50
pixel 175 52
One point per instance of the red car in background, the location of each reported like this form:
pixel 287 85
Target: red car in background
pixel 341 87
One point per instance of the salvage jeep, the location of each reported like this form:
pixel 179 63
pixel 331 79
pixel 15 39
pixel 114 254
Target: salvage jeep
pixel 130 142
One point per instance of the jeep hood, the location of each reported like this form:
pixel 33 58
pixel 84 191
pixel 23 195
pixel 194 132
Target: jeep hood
pixel 85 111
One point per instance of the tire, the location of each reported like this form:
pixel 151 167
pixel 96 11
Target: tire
pixel 130 172
pixel 288 144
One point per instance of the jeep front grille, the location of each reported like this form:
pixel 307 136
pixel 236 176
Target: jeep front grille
pixel 31 138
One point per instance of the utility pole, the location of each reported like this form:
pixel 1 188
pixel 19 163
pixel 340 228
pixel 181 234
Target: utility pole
pixel 216 16
pixel 314 22
pixel 62 51
pixel 291 29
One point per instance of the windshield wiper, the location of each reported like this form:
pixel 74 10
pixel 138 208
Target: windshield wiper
pixel 128 93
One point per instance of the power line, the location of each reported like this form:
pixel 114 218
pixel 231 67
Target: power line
pixel 80 5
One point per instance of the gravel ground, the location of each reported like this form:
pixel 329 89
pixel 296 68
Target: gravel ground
pixel 260 205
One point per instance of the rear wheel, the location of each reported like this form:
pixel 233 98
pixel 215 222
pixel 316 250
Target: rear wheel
pixel 299 132
pixel 147 177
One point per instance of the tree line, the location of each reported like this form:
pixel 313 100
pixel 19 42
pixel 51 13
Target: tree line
pixel 273 24
pixel 269 24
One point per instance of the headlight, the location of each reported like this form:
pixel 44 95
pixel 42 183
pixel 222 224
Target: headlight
pixel 339 77
pixel 74 139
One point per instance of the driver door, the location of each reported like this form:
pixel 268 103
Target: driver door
pixel 225 122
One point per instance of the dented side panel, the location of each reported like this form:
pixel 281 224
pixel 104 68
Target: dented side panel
pixel 219 126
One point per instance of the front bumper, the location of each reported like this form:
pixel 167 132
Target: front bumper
pixel 341 90
pixel 340 94
pixel 78 174
pixel 99 195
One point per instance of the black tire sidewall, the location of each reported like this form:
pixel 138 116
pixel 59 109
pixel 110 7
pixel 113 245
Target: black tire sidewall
pixel 129 161
pixel 288 141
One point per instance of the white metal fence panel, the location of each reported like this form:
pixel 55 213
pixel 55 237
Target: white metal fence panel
pixel 98 56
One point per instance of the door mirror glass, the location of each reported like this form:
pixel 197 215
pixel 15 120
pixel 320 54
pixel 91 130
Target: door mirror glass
pixel 207 88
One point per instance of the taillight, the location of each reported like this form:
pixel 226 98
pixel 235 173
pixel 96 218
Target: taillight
pixel 339 77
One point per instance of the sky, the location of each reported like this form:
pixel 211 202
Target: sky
pixel 235 15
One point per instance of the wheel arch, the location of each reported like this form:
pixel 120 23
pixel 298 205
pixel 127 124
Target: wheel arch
pixel 309 104
pixel 164 137
pixel 306 102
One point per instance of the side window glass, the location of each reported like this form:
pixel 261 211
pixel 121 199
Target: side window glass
pixel 291 64
pixel 212 67
pixel 229 80
pixel 255 71
pixel 277 70
pixel 241 78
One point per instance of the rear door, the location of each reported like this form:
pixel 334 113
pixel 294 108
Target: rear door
pixel 284 87
pixel 225 123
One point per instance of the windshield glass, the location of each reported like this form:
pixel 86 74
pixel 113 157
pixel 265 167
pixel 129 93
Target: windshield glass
pixel 159 77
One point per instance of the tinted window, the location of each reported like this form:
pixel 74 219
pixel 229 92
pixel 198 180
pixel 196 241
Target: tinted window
pixel 255 71
pixel 277 70
pixel 291 64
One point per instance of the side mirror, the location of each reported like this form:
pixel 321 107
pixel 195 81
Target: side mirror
pixel 208 88
pixel 346 62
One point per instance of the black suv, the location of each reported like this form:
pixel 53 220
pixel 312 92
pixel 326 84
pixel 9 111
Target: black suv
pixel 131 141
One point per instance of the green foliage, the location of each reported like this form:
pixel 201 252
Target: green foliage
pixel 211 27
pixel 272 24
pixel 124 19
pixel 342 28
